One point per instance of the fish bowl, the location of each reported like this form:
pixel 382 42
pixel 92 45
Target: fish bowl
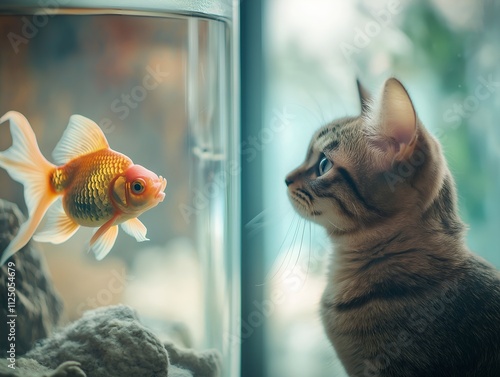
pixel 160 80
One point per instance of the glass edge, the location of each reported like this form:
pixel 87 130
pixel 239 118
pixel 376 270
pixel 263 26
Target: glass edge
pixel 111 9
pixel 235 135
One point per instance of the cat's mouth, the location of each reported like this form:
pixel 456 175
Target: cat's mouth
pixel 303 202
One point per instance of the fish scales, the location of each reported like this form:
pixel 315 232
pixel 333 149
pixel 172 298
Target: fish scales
pixel 98 186
pixel 86 182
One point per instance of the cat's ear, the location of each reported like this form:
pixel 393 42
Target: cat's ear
pixel 392 123
pixel 364 97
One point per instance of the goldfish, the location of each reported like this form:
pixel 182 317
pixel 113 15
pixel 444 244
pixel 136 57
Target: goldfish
pixel 90 185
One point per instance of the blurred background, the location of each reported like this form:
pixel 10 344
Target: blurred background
pixel 447 55
pixel 299 61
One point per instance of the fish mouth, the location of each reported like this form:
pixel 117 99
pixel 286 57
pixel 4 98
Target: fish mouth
pixel 160 195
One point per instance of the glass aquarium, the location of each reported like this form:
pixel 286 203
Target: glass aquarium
pixel 160 79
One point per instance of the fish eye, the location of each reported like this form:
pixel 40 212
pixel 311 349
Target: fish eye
pixel 138 186
pixel 324 166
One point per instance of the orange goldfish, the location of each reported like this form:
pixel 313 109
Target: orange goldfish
pixel 93 186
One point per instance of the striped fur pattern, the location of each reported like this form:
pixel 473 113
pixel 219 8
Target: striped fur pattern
pixel 404 297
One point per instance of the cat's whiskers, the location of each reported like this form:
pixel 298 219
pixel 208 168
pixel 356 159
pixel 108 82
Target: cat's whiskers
pixel 302 200
pixel 356 208
pixel 336 226
pixel 285 264
pixel 291 248
pixel 309 251
pixel 281 247
pixel 319 115
pixel 288 256
pixel 297 259
pixel 402 251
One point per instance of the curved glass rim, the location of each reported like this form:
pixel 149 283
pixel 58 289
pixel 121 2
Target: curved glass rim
pixel 208 8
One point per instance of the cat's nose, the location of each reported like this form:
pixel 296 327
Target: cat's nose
pixel 288 181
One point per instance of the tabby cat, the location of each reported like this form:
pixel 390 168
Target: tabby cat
pixel 404 297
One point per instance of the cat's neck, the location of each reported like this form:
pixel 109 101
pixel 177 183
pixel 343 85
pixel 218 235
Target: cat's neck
pixel 395 235
pixel 432 228
pixel 401 252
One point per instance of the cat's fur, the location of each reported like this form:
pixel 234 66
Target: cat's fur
pixel 405 297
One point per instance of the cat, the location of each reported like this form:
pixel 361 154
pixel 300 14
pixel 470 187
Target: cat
pixel 404 295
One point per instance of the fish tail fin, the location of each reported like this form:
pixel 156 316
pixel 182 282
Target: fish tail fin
pixel 25 163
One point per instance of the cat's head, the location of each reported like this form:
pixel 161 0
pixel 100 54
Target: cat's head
pixel 368 169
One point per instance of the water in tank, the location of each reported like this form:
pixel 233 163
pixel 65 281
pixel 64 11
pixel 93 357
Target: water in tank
pixel 159 80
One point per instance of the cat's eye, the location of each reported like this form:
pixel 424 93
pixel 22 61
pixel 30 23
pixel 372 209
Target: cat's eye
pixel 324 165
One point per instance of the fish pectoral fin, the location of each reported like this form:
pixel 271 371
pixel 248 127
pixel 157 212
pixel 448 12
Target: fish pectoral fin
pixel 82 136
pixel 104 243
pixel 58 226
pixel 135 228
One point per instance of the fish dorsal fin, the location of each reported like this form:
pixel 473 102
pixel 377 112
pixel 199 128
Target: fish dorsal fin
pixel 82 136
pixel 136 229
